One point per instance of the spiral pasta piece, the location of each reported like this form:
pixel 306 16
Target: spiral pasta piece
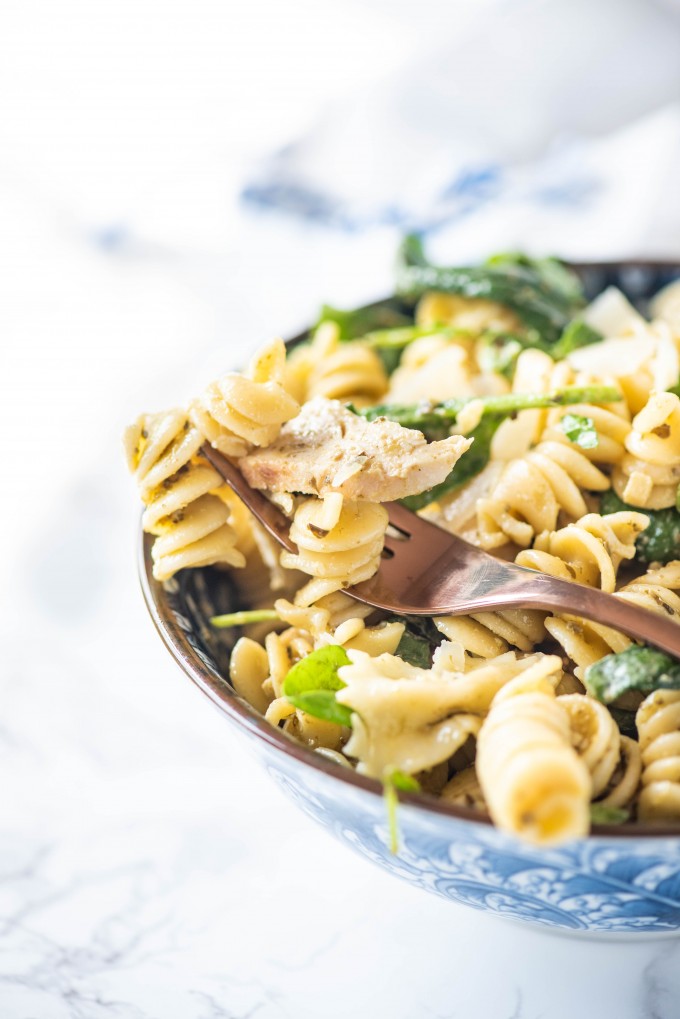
pixel 190 521
pixel 658 725
pixel 649 474
pixel 586 642
pixel 339 544
pixel 534 783
pixel 612 760
pixel 240 411
pixel 349 372
pixel 533 490
pixel 589 551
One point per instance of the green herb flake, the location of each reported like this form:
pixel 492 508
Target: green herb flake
pixel 312 683
pixel 638 668
pixel 601 813
pixel 245 618
pixel 579 430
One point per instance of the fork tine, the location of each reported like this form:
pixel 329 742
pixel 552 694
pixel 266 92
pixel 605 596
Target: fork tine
pixel 403 519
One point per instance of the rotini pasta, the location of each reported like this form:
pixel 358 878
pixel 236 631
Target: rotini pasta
pixel 533 491
pixel 241 411
pixel 351 372
pixel 339 544
pixel 649 474
pixel 586 642
pixel 658 725
pixel 190 521
pixel 533 781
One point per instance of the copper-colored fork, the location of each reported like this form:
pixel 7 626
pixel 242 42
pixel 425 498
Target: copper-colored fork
pixel 426 571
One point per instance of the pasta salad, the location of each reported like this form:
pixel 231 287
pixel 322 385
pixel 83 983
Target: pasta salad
pixel 500 405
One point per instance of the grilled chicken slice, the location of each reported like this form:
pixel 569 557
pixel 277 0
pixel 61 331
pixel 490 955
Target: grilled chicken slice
pixel 327 448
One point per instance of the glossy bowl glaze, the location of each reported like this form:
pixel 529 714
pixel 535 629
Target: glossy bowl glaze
pixel 619 880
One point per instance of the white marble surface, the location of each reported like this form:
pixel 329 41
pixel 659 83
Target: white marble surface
pixel 148 869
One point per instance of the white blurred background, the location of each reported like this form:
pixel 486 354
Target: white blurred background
pixel 178 181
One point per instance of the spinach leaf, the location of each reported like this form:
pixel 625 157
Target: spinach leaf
pixel 577 334
pixel 553 277
pixel 600 813
pixel 312 683
pixel 625 720
pixel 357 322
pixel 580 430
pixel 418 640
pixel 660 540
pixel 245 618
pixel 544 293
pixel 469 465
pixel 414 650
pixel 637 668
pixel 498 352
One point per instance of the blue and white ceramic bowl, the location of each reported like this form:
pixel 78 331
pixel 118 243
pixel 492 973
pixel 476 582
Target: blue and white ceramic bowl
pixel 619 880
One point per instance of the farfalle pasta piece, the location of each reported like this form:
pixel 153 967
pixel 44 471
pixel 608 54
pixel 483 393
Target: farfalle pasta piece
pixel 410 719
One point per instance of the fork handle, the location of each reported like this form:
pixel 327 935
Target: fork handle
pixel 271 518
pixel 590 603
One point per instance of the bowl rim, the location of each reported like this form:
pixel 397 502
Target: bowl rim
pixel 222 695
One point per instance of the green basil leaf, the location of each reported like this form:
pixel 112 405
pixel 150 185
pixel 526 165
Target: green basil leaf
pixel 638 668
pixel 311 684
pixel 322 704
pixel 580 430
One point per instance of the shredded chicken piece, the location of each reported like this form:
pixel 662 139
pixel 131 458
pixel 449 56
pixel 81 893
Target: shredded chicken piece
pixel 327 448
